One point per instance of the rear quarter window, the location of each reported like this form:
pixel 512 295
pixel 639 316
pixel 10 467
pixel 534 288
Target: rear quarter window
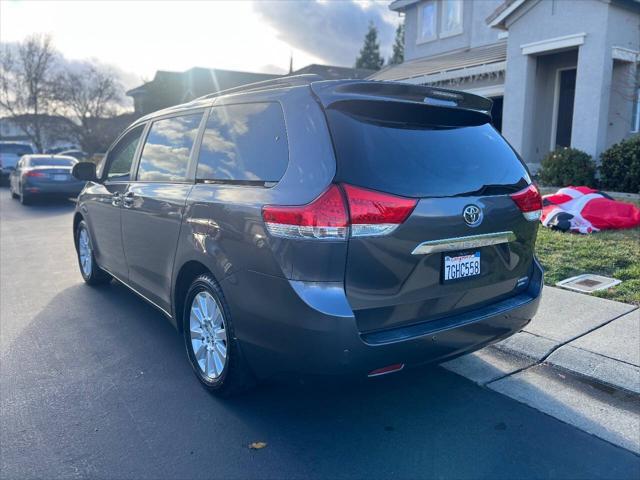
pixel 403 150
pixel 244 143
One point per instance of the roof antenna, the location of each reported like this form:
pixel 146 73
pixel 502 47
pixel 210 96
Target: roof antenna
pixel 291 63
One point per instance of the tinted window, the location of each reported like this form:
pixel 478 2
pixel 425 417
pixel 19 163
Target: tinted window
pixel 404 156
pixel 121 155
pixel 165 156
pixel 244 143
pixel 18 149
pixel 52 162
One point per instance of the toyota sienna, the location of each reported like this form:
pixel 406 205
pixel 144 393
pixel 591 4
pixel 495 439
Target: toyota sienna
pixel 299 226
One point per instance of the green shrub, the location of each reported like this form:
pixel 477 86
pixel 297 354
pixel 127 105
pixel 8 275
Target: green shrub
pixel 620 166
pixel 568 166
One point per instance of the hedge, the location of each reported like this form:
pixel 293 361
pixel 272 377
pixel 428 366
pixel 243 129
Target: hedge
pixel 568 166
pixel 620 166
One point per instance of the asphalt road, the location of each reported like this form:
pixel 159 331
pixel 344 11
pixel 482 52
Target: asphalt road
pixel 95 383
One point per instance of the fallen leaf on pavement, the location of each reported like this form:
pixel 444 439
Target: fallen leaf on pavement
pixel 257 445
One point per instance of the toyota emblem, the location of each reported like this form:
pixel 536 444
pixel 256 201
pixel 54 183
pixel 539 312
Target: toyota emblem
pixel 472 215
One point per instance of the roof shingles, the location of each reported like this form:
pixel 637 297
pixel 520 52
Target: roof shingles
pixel 449 62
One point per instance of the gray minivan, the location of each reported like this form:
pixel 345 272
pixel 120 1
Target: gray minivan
pixel 299 226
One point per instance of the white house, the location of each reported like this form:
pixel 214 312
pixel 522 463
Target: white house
pixel 561 72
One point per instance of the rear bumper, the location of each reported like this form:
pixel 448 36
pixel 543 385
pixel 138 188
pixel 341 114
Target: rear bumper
pixel 296 328
pixel 51 188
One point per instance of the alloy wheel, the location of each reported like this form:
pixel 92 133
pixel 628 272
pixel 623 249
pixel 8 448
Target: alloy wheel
pixel 84 251
pixel 208 335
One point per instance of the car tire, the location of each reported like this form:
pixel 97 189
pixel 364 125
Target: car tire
pixel 202 332
pixel 91 273
pixel 24 198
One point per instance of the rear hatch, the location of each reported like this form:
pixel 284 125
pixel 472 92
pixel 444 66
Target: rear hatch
pixel 53 174
pixel 467 242
pixel 51 169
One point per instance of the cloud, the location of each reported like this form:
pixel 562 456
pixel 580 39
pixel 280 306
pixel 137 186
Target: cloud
pixel 331 30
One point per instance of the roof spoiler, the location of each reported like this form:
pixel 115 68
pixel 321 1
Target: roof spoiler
pixel 330 92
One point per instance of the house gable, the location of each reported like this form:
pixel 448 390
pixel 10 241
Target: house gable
pixel 474 31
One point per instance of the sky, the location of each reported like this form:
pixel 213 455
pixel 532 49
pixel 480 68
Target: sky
pixel 137 38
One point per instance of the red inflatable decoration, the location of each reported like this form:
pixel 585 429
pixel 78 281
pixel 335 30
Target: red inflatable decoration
pixel 585 210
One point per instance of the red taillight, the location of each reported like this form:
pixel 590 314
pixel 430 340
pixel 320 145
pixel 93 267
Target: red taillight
pixel 376 213
pixel 396 367
pixel 367 212
pixel 324 218
pixel 529 201
pixel 33 173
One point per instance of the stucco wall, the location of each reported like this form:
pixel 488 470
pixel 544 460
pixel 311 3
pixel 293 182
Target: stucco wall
pixel 624 27
pixel 623 31
pixel 527 114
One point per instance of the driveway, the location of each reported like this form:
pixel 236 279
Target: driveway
pixel 95 383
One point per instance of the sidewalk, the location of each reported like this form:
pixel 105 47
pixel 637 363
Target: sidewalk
pixel 578 360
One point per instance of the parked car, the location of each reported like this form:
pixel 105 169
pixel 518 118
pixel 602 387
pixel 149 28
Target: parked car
pixel 59 148
pixel 44 175
pixel 77 154
pixel 10 153
pixel 317 227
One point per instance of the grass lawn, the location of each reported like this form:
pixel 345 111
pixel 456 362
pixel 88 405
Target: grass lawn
pixel 614 253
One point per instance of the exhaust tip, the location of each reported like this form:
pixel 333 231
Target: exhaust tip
pixel 396 367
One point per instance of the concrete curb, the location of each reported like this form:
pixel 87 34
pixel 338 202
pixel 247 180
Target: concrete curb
pixel 578 360
pixel 584 335
pixel 613 416
pixel 601 369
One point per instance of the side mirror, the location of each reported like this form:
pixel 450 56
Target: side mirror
pixel 85 171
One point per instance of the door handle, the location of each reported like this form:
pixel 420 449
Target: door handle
pixel 116 199
pixel 127 200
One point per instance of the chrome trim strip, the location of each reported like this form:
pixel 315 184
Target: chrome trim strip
pixel 139 294
pixel 463 243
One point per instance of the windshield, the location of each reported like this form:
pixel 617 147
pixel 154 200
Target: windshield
pixel 417 159
pixel 15 149
pixel 51 162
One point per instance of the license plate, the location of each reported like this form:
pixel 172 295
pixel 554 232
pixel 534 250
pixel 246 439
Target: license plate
pixel 461 266
pixel 60 178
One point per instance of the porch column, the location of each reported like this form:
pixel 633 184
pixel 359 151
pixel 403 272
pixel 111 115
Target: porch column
pixel 519 107
pixel 593 90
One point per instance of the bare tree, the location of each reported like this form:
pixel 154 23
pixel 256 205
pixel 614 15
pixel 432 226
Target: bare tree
pixel 90 95
pixel 27 85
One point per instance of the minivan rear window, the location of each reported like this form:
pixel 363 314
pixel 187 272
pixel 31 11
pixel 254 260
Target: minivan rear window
pixel 403 150
pixel 244 143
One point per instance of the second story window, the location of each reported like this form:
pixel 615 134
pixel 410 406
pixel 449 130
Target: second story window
pixel 451 21
pixel 427 22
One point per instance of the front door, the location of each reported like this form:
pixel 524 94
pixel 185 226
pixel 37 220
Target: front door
pixel 564 114
pixel 153 206
pixel 104 204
